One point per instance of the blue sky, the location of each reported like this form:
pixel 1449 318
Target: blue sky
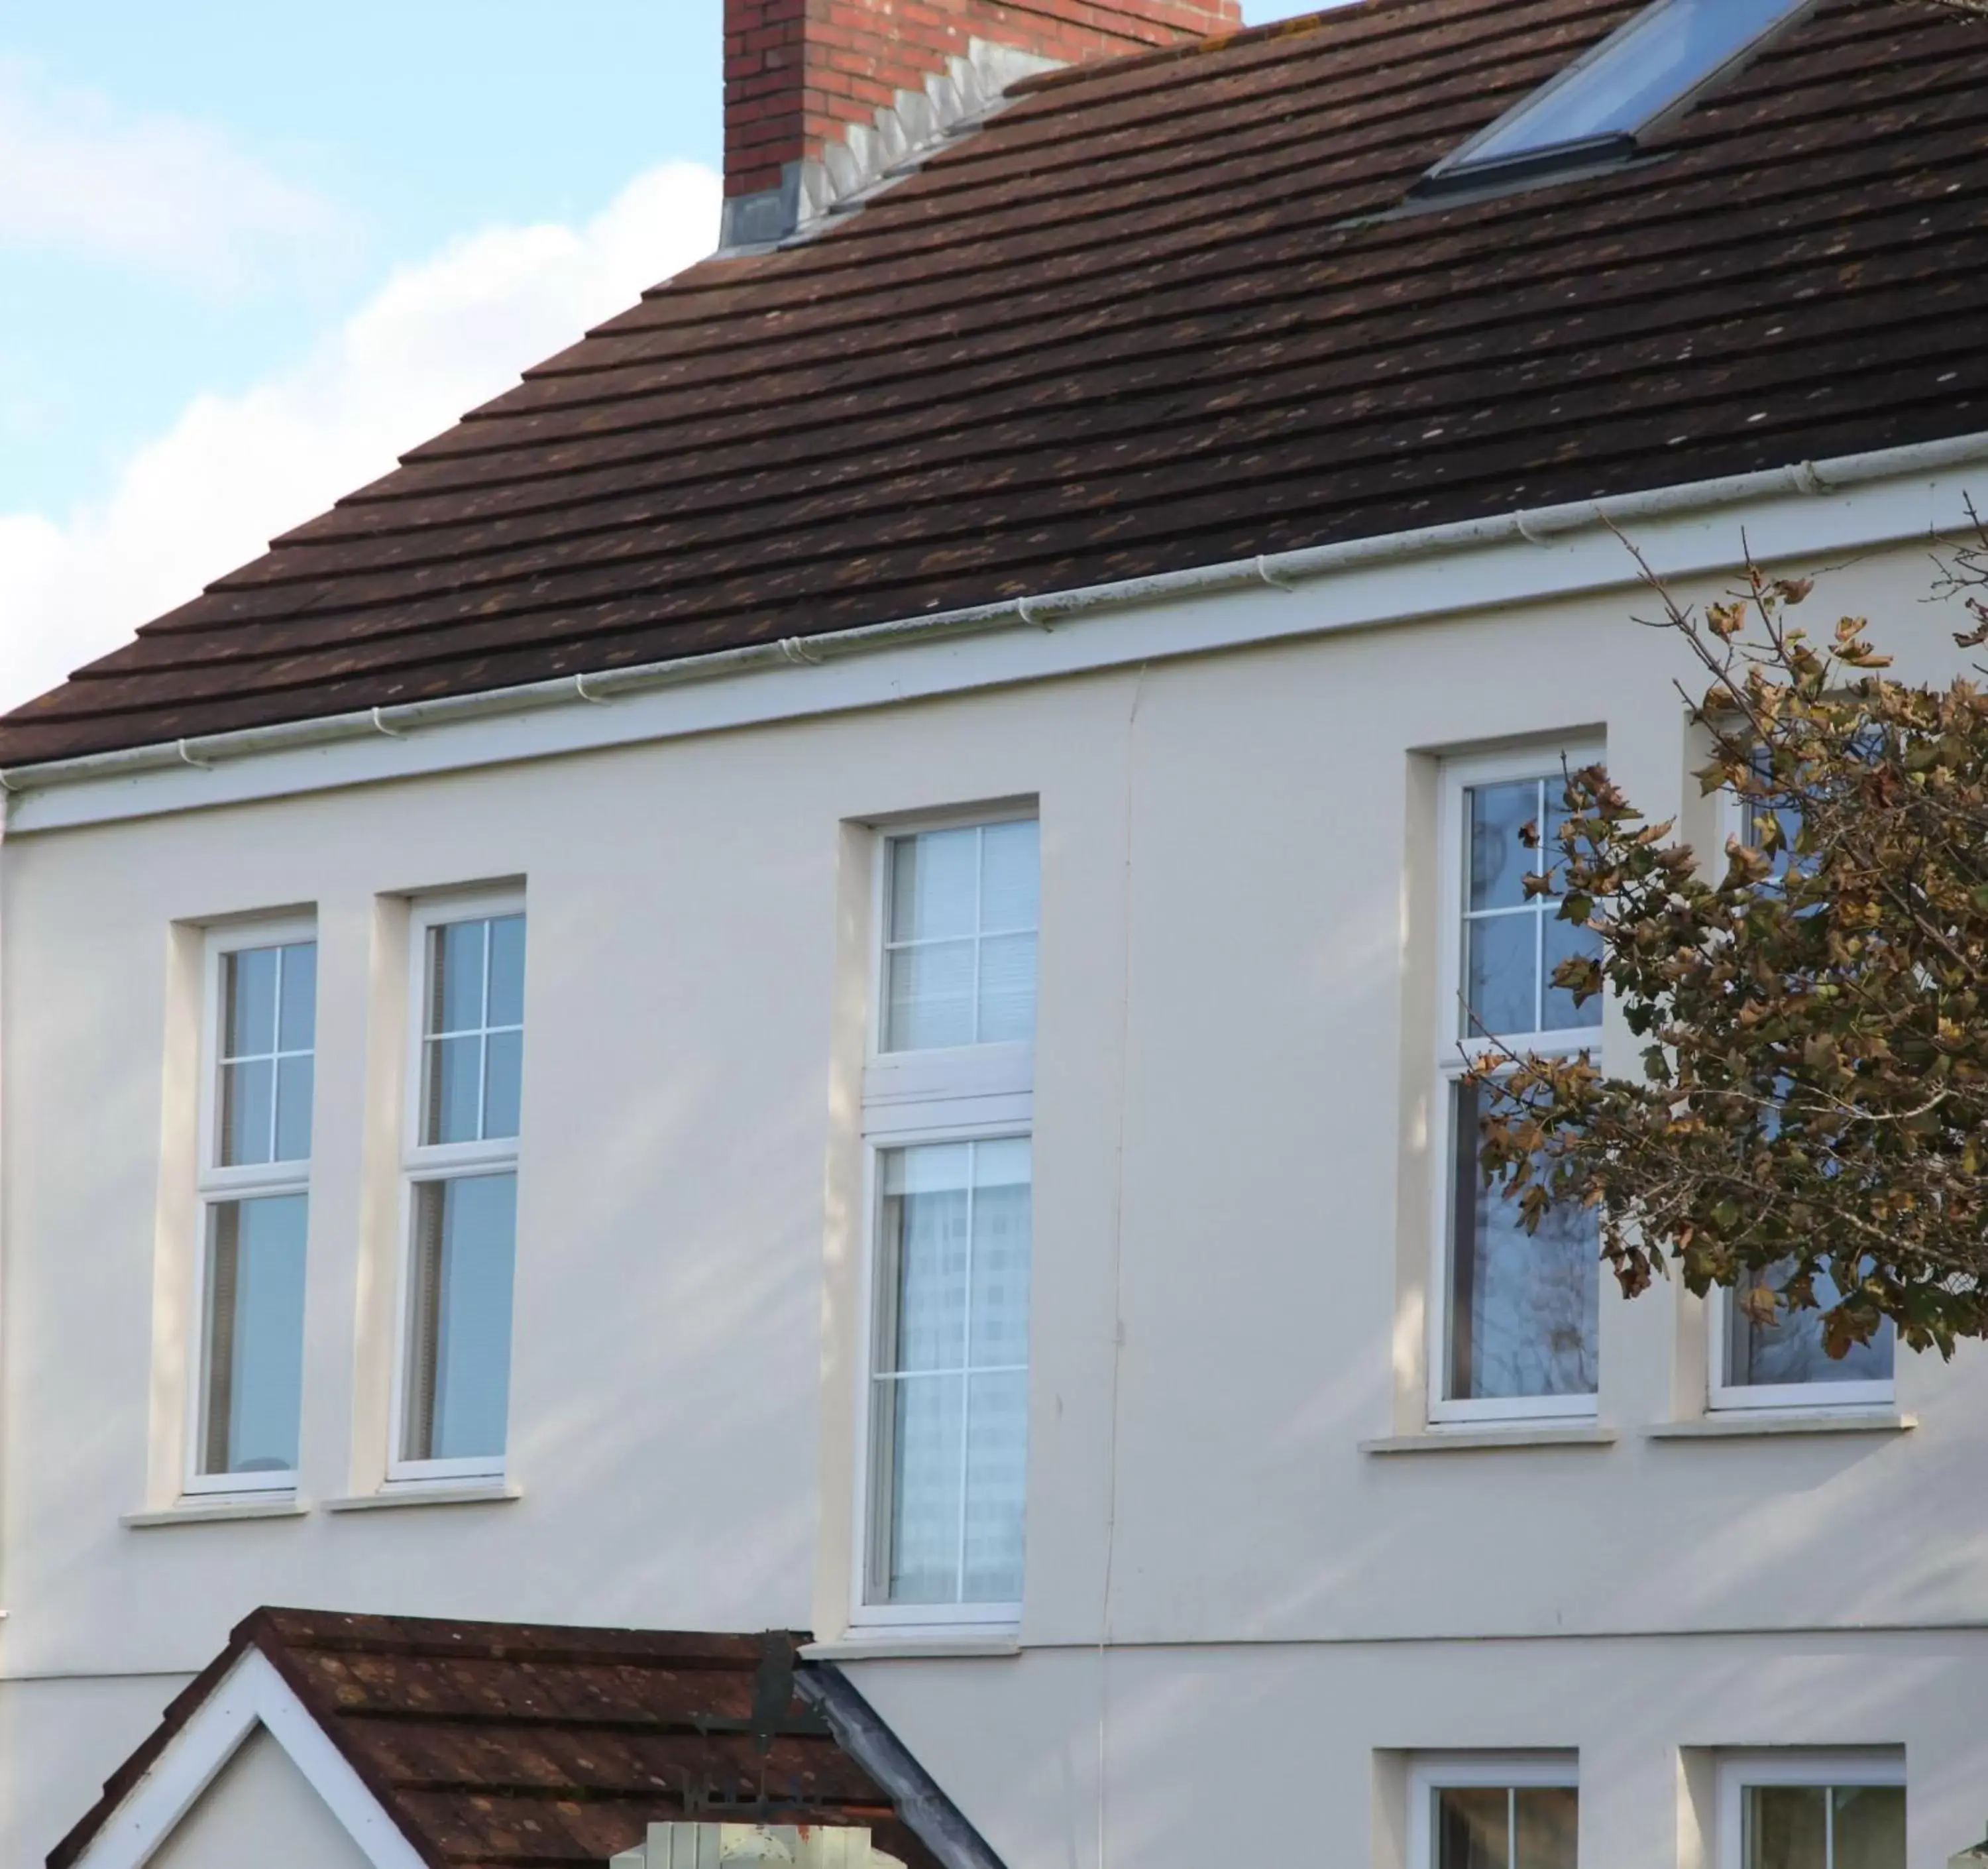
pixel 404 121
pixel 243 242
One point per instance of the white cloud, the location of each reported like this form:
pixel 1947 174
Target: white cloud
pixel 232 472
pixel 170 195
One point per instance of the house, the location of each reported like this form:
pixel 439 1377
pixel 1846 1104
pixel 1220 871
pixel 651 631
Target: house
pixel 807 979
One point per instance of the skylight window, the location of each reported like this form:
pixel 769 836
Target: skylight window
pixel 1598 106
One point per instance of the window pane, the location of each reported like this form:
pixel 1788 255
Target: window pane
pixel 298 1029
pixel 254 1332
pixel 1568 941
pixel 1010 873
pixel 503 1082
pixel 1498 862
pixel 1474 1829
pixel 1789 820
pixel 1001 1226
pixel 1525 1309
pixel 293 1110
pixel 459 1378
pixel 1657 62
pixel 1786 1827
pixel 931 998
pixel 1549 1828
pixel 249 991
pixel 455 976
pixel 1501 977
pixel 246 1092
pixel 997 1461
pixel 450 1098
pixel 1007 989
pixel 949 1461
pixel 935 885
pixel 1870 1827
pixel 923 1281
pixel 923 1415
pixel 507 971
pixel 1789 1350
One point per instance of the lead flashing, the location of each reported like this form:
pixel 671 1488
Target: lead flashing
pixel 869 157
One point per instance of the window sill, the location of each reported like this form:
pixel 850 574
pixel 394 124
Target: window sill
pixel 880 1645
pixel 197 1511
pixel 1786 1421
pixel 1490 1439
pixel 492 1492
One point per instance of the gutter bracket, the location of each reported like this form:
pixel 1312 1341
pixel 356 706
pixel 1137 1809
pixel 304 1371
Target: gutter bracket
pixel 379 726
pixel 1808 477
pixel 594 700
pixel 1027 614
pixel 1524 522
pixel 203 765
pixel 1270 577
pixel 797 652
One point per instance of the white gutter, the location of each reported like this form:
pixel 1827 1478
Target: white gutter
pixel 1284 570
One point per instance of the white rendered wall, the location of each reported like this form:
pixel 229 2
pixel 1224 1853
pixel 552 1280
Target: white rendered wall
pixel 1236 1024
pixel 59 1740
pixel 259 1811
pixel 1275 1753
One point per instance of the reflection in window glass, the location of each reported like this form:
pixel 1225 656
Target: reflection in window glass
pixel 1820 1827
pixel 1525 1309
pixel 472 1053
pixel 459 1357
pixel 268 1001
pixel 950 1375
pixel 960 940
pixel 1534 1826
pixel 1512 944
pixel 1790 1351
pixel 254 1335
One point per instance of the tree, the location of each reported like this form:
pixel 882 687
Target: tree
pixel 1813 1098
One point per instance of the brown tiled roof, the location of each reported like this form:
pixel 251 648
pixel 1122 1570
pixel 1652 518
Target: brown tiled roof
pixel 497 1745
pixel 1147 318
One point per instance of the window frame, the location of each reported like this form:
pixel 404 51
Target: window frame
pixel 422 1164
pixel 1430 1772
pixel 944 1094
pixel 1463 171
pixel 1823 1767
pixel 1457 776
pixel 216 1187
pixel 1723 1396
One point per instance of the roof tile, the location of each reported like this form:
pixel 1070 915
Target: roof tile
pixel 1161 313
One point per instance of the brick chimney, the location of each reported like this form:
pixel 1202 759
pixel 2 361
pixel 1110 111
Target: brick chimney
pixel 824 97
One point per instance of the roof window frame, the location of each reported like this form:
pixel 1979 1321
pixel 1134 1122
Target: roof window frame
pixel 1461 171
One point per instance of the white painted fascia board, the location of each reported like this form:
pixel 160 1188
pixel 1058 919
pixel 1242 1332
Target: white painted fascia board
pixel 1919 493
pixel 250 1695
